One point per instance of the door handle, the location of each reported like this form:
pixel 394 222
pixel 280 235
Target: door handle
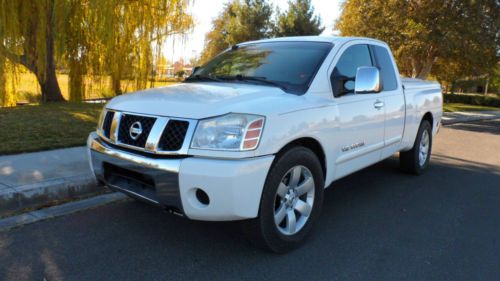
pixel 378 104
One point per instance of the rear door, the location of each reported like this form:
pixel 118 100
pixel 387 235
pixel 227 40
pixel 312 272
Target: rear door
pixel 361 116
pixel 394 100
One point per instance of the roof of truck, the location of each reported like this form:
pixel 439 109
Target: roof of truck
pixel 329 39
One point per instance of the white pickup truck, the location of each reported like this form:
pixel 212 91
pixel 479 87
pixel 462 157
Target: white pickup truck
pixel 260 131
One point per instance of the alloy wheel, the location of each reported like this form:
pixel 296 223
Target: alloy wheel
pixel 294 200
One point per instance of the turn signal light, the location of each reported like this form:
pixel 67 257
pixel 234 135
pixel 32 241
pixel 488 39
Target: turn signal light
pixel 253 133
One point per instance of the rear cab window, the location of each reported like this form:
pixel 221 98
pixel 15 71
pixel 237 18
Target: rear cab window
pixel 387 72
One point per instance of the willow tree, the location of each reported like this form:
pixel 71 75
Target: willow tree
pixel 6 97
pixel 125 36
pixel 27 34
pixel 112 37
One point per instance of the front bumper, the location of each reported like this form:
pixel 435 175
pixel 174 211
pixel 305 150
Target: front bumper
pixel 233 187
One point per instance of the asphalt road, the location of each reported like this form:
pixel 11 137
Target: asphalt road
pixel 377 224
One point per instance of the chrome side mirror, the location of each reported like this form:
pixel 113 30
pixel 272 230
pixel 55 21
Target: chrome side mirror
pixel 367 80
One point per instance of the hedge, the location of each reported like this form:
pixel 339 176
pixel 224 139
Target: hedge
pixel 472 99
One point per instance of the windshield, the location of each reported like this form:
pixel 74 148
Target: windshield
pixel 288 65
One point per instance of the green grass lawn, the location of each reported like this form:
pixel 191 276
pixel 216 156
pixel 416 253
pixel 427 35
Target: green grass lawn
pixel 49 126
pixel 28 90
pixel 453 107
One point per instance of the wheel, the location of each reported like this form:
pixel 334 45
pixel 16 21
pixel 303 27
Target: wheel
pixel 416 160
pixel 291 202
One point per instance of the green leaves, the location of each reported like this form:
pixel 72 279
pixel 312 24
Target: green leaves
pixel 430 37
pixel 298 20
pixel 240 20
pixel 246 20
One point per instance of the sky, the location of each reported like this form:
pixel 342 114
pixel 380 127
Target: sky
pixel 204 11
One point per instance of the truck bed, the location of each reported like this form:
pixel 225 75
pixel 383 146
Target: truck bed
pixel 414 84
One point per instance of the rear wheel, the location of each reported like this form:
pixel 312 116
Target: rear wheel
pixel 291 201
pixel 416 160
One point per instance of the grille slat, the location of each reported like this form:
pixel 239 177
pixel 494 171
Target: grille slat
pixel 106 125
pixel 124 129
pixel 173 136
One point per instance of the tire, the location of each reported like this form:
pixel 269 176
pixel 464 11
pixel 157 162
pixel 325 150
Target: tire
pixel 416 161
pixel 287 195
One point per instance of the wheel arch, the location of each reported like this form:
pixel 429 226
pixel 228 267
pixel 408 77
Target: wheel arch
pixel 310 143
pixel 428 116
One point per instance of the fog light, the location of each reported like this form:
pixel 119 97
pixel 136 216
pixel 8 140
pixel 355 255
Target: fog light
pixel 202 197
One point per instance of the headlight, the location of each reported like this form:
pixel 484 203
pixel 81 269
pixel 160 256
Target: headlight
pixel 235 132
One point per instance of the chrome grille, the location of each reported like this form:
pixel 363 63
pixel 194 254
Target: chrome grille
pixel 159 135
pixel 125 126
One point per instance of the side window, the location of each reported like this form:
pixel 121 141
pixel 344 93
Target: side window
pixel 387 71
pixel 344 73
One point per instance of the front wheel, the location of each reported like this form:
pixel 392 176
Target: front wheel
pixel 291 201
pixel 416 160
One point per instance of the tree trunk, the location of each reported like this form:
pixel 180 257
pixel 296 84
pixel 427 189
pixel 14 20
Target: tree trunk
pixel 49 85
pixel 47 78
pixel 486 86
pixel 76 85
pixel 426 68
pixel 116 84
pixel 7 97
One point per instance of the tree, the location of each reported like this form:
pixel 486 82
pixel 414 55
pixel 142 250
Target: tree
pixel 180 73
pixel 240 20
pixel 111 37
pixel 6 99
pixel 495 80
pixel 124 36
pixel 27 33
pixel 422 33
pixel 298 20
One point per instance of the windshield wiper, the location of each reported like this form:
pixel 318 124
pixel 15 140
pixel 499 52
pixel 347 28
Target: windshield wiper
pixel 261 80
pixel 202 78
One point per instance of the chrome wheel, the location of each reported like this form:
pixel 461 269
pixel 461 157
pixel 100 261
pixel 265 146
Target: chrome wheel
pixel 423 152
pixel 294 200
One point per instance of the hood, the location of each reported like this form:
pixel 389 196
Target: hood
pixel 205 99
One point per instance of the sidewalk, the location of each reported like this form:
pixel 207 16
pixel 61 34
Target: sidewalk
pixel 34 180
pixel 460 117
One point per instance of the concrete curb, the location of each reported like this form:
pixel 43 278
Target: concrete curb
pixel 14 199
pixel 60 210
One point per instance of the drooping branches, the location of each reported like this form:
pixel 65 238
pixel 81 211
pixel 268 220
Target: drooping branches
pixel 27 37
pixel 128 33
pixel 88 37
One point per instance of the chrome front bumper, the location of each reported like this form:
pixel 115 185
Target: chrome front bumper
pixel 233 186
pixel 153 180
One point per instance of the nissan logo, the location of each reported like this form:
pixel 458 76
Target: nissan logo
pixel 135 130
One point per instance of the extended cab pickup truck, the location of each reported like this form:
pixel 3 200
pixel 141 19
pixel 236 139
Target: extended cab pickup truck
pixel 260 131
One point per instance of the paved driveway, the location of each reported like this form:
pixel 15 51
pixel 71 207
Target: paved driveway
pixel 377 224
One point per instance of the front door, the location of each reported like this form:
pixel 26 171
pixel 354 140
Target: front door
pixel 360 137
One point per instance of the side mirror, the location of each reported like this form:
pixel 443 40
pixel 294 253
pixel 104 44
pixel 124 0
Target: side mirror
pixel 367 80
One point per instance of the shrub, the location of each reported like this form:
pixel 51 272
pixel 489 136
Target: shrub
pixel 472 99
